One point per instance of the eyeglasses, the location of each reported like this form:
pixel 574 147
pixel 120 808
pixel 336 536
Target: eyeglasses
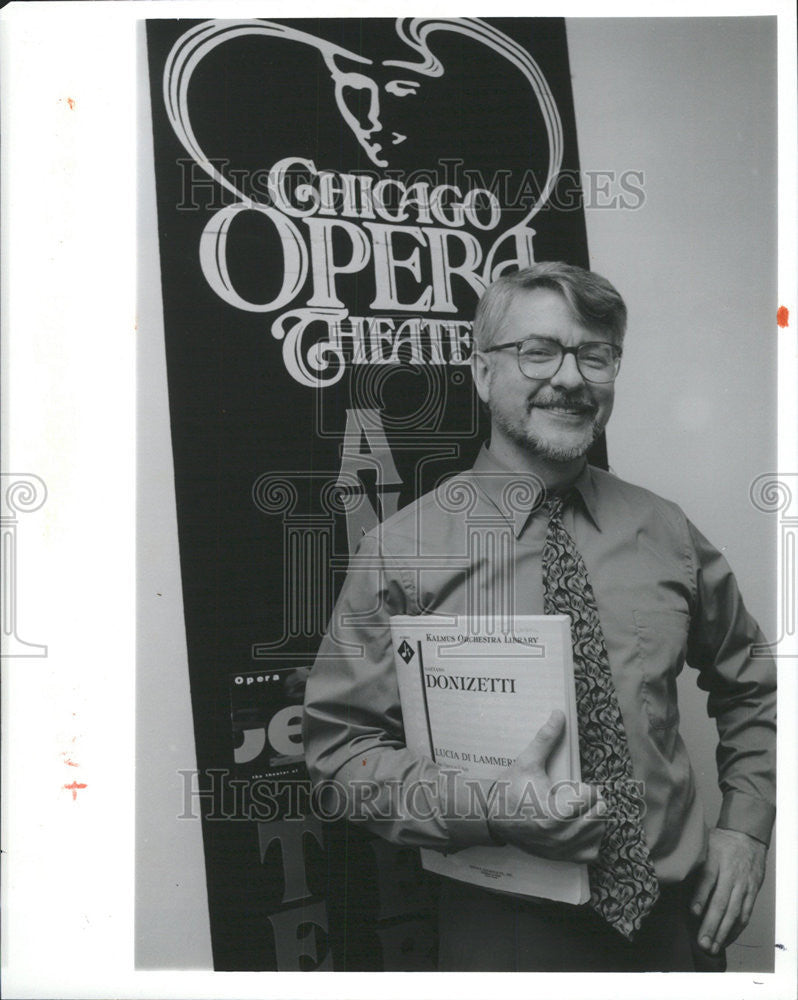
pixel 541 358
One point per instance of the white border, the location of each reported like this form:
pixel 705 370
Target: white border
pixel 69 343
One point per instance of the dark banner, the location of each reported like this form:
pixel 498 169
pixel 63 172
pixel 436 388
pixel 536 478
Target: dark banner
pixel 333 198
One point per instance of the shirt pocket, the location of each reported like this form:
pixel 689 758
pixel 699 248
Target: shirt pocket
pixel 661 644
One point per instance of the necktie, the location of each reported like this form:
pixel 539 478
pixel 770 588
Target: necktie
pixel 623 886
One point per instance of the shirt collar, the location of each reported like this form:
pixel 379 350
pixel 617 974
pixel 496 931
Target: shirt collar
pixel 516 495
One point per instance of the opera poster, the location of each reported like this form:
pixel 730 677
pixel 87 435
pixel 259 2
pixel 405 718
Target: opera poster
pixel 333 196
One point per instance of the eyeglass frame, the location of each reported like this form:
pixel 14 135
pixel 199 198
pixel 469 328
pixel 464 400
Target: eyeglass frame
pixel 617 352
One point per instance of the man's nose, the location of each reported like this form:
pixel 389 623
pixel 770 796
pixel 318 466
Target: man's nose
pixel 568 376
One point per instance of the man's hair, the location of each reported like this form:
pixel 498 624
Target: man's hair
pixel 594 302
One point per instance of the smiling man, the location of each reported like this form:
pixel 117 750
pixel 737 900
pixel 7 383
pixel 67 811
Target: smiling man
pixel 552 415
pixel 534 529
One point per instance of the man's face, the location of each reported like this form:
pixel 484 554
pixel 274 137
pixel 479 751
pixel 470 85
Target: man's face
pixel 557 418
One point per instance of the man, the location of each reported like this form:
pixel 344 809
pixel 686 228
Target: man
pixel 645 592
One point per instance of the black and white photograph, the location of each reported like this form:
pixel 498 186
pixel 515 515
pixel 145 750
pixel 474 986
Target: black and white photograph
pixel 399 501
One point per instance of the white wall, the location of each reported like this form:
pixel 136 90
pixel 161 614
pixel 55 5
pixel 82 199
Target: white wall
pixel 692 104
pixel 172 928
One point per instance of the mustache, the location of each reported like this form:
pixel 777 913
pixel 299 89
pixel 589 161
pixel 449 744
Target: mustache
pixel 570 400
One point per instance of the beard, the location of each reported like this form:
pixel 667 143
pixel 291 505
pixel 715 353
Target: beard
pixel 565 446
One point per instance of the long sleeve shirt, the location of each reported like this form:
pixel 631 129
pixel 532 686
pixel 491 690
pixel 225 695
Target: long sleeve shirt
pixel 665 598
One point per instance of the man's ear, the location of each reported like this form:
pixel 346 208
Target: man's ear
pixel 480 371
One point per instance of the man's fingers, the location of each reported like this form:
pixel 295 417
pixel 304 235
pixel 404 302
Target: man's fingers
pixel 703 890
pixel 730 918
pixel 714 914
pixel 584 855
pixel 578 839
pixel 564 820
pixel 535 756
pixel 587 798
pixel 569 799
pixel 747 908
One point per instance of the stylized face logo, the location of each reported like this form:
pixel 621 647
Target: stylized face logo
pixel 362 88
pixel 359 102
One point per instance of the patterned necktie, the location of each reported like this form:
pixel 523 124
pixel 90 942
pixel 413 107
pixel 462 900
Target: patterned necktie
pixel 623 886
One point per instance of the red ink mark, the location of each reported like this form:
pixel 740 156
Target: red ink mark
pixel 74 788
pixel 71 763
pixel 71 104
pixel 783 316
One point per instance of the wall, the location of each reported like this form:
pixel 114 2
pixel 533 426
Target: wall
pixel 171 930
pixel 692 104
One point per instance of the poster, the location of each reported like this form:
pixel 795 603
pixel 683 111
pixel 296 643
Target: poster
pixel 333 197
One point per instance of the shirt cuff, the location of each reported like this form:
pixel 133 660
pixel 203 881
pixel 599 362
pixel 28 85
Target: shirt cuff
pixel 747 814
pixel 466 817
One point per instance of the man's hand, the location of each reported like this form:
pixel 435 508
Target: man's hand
pixel 727 887
pixel 564 823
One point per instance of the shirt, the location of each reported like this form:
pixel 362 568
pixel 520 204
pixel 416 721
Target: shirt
pixel 665 598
